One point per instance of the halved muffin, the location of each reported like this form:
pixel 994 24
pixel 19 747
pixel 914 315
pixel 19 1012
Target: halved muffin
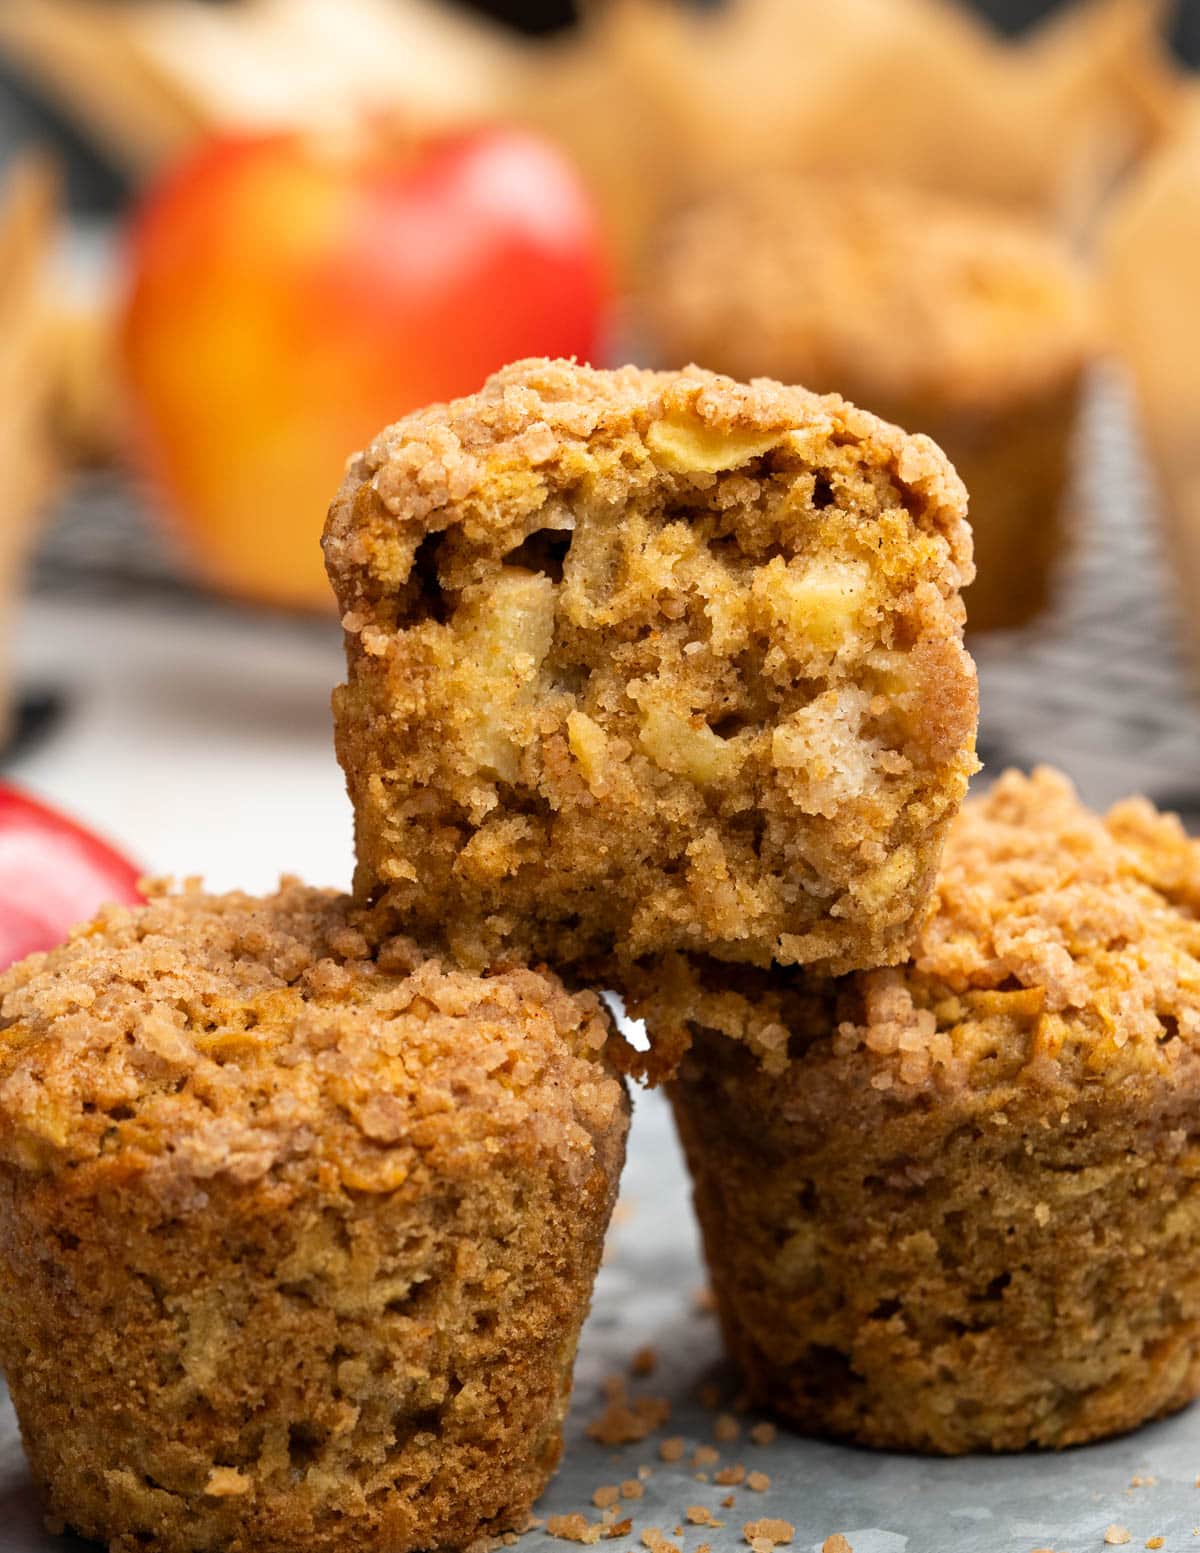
pixel 642 662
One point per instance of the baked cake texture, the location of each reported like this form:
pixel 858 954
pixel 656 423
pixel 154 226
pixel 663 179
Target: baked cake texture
pixel 644 661
pixel 955 1205
pixel 948 318
pixel 298 1227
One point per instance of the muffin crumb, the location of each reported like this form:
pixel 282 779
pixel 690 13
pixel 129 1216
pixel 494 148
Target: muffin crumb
pixel 768 1530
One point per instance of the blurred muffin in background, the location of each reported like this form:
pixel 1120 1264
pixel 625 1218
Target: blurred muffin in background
pixel 942 316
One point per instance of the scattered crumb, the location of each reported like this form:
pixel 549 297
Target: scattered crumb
pixel 645 1472
pixel 644 1362
pixel 710 1397
pixel 620 1528
pixel 702 1477
pixel 705 1456
pixel 836 1544
pixel 653 1539
pixel 728 1502
pixel 726 1427
pixel 607 1494
pixel 1116 1535
pixel 672 1449
pixel 631 1489
pixel 1142 1480
pixel 1155 1542
pixel 758 1481
pixel 698 1515
pixel 705 1300
pixel 729 1477
pixel 573 1528
pixel 626 1419
pixel 772 1532
pixel 764 1434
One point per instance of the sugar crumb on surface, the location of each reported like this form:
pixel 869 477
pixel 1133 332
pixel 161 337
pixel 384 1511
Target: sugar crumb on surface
pixel 572 1528
pixel 643 1363
pixel 769 1530
pixel 1117 1536
pixel 836 1544
pixel 627 1420
pixel 758 1481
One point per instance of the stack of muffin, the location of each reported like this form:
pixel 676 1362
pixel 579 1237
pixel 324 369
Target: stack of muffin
pixel 658 680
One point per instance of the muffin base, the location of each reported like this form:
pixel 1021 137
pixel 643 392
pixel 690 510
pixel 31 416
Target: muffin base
pixel 253 1370
pixel 950 1272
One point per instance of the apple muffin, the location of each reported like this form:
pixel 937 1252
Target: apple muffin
pixel 948 318
pixel 955 1205
pixel 640 662
pixel 297 1225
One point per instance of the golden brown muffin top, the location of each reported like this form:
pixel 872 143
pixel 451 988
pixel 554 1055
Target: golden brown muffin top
pixel 205 1036
pixel 540 430
pixel 889 295
pixel 1056 939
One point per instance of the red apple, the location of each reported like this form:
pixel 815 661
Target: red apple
pixel 290 296
pixel 53 874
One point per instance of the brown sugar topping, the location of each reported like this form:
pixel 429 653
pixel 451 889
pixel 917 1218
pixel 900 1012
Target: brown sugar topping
pixel 203 1036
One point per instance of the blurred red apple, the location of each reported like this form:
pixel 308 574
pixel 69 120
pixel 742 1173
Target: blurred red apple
pixel 53 874
pixel 290 296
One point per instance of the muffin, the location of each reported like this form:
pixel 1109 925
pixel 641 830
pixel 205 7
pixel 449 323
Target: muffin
pixel 947 318
pixel 640 662
pixel 955 1205
pixel 298 1227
